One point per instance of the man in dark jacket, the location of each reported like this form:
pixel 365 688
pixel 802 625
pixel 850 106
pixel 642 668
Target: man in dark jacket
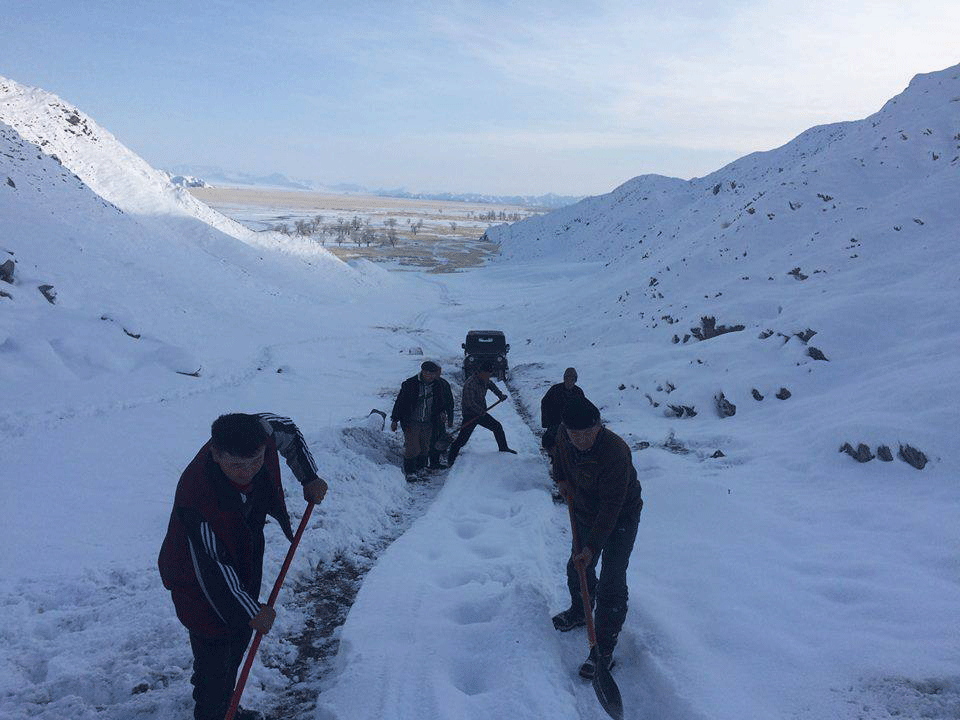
pixel 473 405
pixel 552 404
pixel 596 475
pixel 444 421
pixel 212 556
pixel 419 407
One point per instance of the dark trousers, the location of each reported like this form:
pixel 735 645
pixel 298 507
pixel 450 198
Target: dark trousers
pixel 215 665
pixel 609 593
pixel 439 433
pixel 467 430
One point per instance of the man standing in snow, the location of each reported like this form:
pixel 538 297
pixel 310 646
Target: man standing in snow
pixel 212 556
pixel 419 407
pixel 474 408
pixel 552 404
pixel 596 475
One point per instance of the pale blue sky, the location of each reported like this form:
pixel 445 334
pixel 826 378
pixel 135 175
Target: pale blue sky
pixel 531 97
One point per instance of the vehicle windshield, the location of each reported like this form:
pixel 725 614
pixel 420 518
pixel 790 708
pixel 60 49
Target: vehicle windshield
pixel 486 344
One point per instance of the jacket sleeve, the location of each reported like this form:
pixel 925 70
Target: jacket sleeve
pixel 399 405
pixel 215 572
pixel 292 446
pixel 496 391
pixel 447 399
pixel 546 409
pixel 613 490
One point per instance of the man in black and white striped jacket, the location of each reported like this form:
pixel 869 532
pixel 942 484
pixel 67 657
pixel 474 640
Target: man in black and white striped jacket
pixel 212 556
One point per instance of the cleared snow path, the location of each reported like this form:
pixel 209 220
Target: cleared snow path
pixel 454 620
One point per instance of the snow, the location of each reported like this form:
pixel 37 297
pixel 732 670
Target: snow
pixel 781 580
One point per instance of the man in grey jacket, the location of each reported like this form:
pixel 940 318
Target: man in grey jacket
pixel 474 408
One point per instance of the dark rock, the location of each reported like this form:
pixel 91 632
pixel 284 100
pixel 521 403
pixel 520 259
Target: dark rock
pixel 765 334
pixel 718 454
pixel 195 373
pixel 6 294
pixel 861 454
pixel 783 394
pixel 912 456
pixel 883 452
pixel 806 335
pixel 675 446
pixel 681 411
pixel 622 387
pixel 140 689
pixel 757 395
pixel 709 328
pixel 7 270
pixel 798 274
pixel 49 293
pixel 686 337
pixel 11 183
pixel 676 339
pixel 725 407
pixel 816 354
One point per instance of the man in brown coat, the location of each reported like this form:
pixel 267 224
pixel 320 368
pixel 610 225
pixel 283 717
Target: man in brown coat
pixel 595 473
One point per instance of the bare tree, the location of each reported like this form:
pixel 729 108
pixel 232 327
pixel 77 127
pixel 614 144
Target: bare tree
pixel 342 228
pixel 367 234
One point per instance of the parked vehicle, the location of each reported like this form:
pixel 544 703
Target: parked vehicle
pixel 486 345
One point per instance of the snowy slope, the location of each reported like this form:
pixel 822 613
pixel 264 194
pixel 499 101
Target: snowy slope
pixel 117 174
pixel 849 231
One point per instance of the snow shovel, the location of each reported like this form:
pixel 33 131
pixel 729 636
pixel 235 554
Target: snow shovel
pixel 443 444
pixel 603 683
pixel 254 646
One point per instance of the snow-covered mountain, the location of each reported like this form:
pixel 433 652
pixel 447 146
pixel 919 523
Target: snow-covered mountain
pixel 217 176
pixel 843 241
pixel 123 249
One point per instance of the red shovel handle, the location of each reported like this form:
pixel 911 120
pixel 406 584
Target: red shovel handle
pixel 245 672
pixel 582 571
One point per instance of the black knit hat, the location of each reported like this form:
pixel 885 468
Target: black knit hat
pixel 580 414
pixel 430 366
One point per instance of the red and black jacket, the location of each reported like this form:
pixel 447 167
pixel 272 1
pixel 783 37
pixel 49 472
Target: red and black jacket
pixel 212 556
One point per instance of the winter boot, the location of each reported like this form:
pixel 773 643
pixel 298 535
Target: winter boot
pixel 569 619
pixel 589 667
pixel 410 468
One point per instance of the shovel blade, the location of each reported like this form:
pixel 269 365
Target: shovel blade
pixel 607 692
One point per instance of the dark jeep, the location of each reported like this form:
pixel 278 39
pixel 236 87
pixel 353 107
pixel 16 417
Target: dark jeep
pixel 485 346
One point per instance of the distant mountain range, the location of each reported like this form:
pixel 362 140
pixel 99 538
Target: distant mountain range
pixel 212 176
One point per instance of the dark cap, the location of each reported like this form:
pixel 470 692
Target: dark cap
pixel 580 414
pixel 430 366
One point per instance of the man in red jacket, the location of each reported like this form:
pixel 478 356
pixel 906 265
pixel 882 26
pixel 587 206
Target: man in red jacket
pixel 212 556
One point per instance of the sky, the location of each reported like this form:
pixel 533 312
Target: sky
pixel 525 98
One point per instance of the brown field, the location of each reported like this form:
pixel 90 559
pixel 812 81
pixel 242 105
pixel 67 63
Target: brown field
pixel 451 236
